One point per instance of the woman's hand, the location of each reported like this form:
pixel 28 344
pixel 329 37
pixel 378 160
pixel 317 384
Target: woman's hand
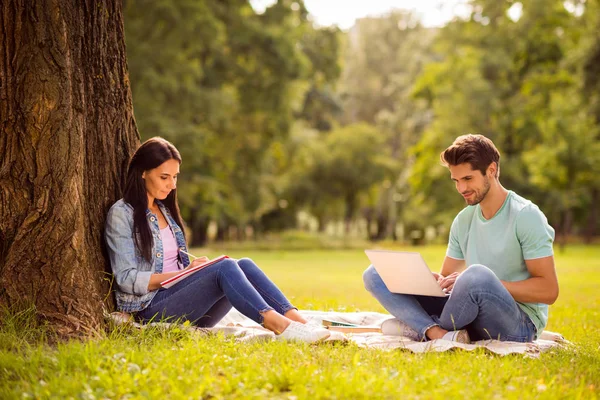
pixel 198 261
pixel 156 279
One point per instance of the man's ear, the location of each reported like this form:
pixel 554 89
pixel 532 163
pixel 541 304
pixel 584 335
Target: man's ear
pixel 494 170
pixel 144 175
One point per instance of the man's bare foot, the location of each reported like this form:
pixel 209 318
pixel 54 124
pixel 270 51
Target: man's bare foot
pixel 435 332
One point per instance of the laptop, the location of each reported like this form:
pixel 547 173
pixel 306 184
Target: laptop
pixel 405 272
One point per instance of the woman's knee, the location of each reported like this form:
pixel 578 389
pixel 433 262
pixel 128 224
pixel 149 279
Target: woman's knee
pixel 228 265
pixel 246 261
pixel 247 264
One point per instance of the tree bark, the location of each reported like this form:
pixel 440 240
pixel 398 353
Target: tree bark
pixel 68 132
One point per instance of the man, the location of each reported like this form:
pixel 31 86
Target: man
pixel 505 241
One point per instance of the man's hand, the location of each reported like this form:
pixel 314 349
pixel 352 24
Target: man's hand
pixel 451 269
pixel 447 282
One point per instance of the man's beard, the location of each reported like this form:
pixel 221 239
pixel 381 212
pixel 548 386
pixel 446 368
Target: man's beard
pixel 480 196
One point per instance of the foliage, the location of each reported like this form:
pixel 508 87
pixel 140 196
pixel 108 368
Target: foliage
pixel 224 87
pixel 519 82
pixel 266 110
pixel 339 167
pixel 383 58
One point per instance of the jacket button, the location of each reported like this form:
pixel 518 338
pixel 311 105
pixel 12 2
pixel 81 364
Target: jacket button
pixel 152 219
pixel 158 255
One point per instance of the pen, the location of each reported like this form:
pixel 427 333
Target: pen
pixel 188 254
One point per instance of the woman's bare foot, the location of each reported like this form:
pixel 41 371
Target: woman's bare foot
pixel 275 322
pixel 294 315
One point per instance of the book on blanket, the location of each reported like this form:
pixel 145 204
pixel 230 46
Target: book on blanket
pixel 349 328
pixel 187 272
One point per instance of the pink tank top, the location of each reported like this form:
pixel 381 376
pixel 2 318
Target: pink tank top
pixel 170 250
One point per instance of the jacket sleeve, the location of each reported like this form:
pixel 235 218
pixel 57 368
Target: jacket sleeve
pixel 121 250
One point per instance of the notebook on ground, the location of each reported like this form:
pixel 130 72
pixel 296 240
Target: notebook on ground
pixel 184 274
pixel 405 272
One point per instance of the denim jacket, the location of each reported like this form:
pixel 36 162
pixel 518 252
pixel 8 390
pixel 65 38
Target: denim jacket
pixel 132 272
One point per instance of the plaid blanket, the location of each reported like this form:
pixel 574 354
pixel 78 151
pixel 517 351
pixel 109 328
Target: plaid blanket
pixel 388 333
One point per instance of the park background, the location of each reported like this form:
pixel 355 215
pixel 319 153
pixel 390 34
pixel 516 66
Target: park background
pixel 304 144
pixel 284 125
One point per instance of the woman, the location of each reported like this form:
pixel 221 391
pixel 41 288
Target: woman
pixel 156 253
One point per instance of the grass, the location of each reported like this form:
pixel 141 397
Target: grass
pixel 172 363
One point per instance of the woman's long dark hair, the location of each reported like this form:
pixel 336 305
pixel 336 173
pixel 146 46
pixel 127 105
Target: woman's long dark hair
pixel 151 154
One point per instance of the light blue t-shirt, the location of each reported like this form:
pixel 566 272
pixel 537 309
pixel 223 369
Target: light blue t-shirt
pixel 519 231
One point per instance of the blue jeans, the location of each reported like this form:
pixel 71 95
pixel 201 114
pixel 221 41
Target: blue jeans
pixel 207 295
pixel 479 303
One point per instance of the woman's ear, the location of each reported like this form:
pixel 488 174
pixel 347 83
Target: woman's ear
pixel 144 175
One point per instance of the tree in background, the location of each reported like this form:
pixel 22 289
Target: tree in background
pixel 67 135
pixel 253 99
pixel 337 169
pixel 590 93
pixel 225 87
pixel 384 57
pixel 512 77
pixel 321 107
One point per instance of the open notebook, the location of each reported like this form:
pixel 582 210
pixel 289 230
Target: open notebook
pixel 185 273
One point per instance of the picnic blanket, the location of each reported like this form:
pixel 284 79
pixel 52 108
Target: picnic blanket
pixel 394 334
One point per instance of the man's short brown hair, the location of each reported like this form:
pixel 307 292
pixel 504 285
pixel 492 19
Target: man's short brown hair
pixel 477 150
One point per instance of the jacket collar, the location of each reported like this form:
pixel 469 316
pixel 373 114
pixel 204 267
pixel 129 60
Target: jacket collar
pixel 162 207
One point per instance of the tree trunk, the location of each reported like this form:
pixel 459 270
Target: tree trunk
pixel 199 228
pixel 390 231
pixel 592 222
pixel 67 134
pixel 321 222
pixel 369 219
pixel 566 224
pixel 383 217
pixel 241 232
pixel 222 231
pixel 349 214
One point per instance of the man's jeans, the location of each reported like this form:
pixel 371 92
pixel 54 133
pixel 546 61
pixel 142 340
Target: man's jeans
pixel 207 295
pixel 479 302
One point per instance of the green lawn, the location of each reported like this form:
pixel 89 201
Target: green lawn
pixel 175 364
